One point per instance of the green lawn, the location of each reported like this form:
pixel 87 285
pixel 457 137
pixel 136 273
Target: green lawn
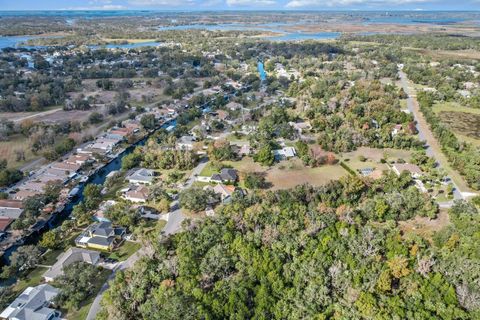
pixel 34 278
pixel 208 170
pixel 51 256
pixel 125 250
pixel 82 312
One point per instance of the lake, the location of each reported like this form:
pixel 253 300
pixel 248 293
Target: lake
pixel 6 42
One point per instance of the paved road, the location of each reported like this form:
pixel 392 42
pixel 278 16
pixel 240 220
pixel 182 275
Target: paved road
pixel 173 225
pixel 32 164
pixel 424 132
pixel 95 307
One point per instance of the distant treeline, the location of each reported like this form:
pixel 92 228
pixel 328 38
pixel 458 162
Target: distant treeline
pixel 434 41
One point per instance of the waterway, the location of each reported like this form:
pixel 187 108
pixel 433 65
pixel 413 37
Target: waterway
pixel 261 71
pixel 98 178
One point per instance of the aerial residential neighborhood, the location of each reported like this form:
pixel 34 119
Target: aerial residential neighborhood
pixel 256 160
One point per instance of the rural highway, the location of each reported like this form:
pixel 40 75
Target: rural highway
pixel 433 148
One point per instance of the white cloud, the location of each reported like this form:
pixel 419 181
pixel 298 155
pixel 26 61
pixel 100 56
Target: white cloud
pixel 333 3
pixel 105 2
pixel 211 3
pixel 251 2
pixel 104 7
pixel 168 3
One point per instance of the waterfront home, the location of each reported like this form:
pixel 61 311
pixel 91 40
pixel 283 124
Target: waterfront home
pixel 80 159
pixel 226 175
pixel 284 153
pixel 70 256
pixel 105 144
pixel 66 166
pixel 100 235
pixel 4 224
pixel 137 194
pixel 23 194
pixel 140 176
pixel 186 143
pixel 114 136
pixel 99 215
pixel 11 209
pixel 413 169
pixel 33 304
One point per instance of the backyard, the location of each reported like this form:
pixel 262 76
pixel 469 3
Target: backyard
pixel 82 312
pixel 124 251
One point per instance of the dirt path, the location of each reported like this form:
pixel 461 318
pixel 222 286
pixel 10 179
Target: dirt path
pixel 433 147
pixel 39 114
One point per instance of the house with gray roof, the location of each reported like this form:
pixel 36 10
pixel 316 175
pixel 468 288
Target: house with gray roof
pixel 70 256
pixel 101 236
pixel 33 304
pixel 141 176
pixel 12 209
pixel 226 175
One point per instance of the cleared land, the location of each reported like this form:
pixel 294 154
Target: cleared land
pixel 464 121
pixel 8 151
pixel 426 227
pixel 373 157
pixel 290 173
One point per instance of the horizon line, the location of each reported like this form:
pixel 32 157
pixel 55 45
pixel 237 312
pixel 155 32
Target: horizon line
pixel 245 9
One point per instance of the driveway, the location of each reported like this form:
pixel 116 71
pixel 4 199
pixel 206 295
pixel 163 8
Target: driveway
pixel 95 307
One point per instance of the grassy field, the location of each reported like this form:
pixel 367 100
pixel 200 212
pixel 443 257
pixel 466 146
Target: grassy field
pixel 464 121
pixel 208 170
pixel 454 107
pixel 50 257
pixel 373 157
pixel 16 142
pixel 290 173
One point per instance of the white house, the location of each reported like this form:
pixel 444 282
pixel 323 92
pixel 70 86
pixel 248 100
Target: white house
pixel 141 176
pixel 285 153
pixel 413 169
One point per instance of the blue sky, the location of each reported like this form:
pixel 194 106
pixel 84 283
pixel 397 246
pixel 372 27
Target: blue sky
pixel 240 4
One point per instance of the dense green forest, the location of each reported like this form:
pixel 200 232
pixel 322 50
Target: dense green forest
pixel 333 252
